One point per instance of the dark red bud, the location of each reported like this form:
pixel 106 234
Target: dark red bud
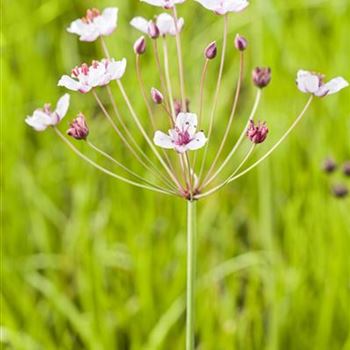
pixel 78 128
pixel 211 51
pixel 140 46
pixel 261 76
pixel 241 42
pixel 157 96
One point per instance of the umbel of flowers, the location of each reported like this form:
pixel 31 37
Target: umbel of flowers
pixel 177 162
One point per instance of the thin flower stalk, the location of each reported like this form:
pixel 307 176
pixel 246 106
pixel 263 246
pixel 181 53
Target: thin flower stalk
pixel 216 94
pixel 238 143
pixel 121 165
pixel 233 111
pixel 143 92
pixel 234 177
pixel 106 171
pixel 180 61
pixel 143 132
pixel 119 133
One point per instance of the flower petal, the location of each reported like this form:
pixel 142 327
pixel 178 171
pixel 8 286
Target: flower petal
pixel 71 84
pixel 332 87
pixel 107 22
pixel 198 141
pixel 163 140
pixel 187 122
pixel 116 69
pixel 62 106
pixel 39 121
pixel 308 82
pixel 140 24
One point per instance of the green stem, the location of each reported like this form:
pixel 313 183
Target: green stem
pixel 191 272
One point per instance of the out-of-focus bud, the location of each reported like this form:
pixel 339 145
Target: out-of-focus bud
pixel 153 30
pixel 329 165
pixel 157 96
pixel 78 128
pixel 140 46
pixel 261 76
pixel 257 133
pixel 340 191
pixel 211 51
pixel 241 42
pixel 178 106
pixel 346 168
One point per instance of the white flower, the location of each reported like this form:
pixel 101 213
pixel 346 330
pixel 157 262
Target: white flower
pixel 167 4
pixel 221 7
pixel 164 22
pixel 42 118
pixel 183 137
pixel 95 24
pixel 100 73
pixel 313 83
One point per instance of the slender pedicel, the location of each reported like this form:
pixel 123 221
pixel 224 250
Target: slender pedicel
pixel 278 142
pixel 143 132
pixel 112 159
pixel 161 177
pixel 233 112
pixel 233 178
pixel 180 61
pixel 167 78
pixel 143 91
pixel 106 171
pixel 216 95
pixel 238 143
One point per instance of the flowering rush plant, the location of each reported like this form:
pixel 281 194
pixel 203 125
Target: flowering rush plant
pixel 179 164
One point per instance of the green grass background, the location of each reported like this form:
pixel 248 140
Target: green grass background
pixel 91 263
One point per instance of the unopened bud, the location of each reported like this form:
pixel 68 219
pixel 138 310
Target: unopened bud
pixel 261 76
pixel 346 168
pixel 340 191
pixel 178 106
pixel 153 30
pixel 78 128
pixel 241 42
pixel 157 96
pixel 329 166
pixel 257 133
pixel 140 46
pixel 211 51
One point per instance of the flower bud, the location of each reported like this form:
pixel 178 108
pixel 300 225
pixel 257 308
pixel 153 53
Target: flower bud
pixel 153 30
pixel 157 96
pixel 261 77
pixel 346 168
pixel 178 106
pixel 241 42
pixel 340 191
pixel 78 128
pixel 210 51
pixel 257 133
pixel 329 166
pixel 140 46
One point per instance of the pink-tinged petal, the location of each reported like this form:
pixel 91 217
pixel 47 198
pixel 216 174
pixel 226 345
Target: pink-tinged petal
pixel 73 85
pixel 154 2
pixel 116 69
pixel 180 24
pixel 187 122
pixel 308 82
pixel 181 148
pixel 163 140
pixel 69 83
pixel 39 121
pixel 107 22
pixel 140 24
pixel 237 5
pixel 97 75
pixel 62 106
pixel 78 27
pixel 198 141
pixel 332 87
pixel 90 35
pixel 165 23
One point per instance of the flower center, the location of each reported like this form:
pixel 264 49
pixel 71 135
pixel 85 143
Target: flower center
pixel 91 14
pixel 183 138
pixel 78 70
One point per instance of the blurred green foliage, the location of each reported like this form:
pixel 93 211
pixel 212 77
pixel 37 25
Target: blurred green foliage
pixel 91 263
